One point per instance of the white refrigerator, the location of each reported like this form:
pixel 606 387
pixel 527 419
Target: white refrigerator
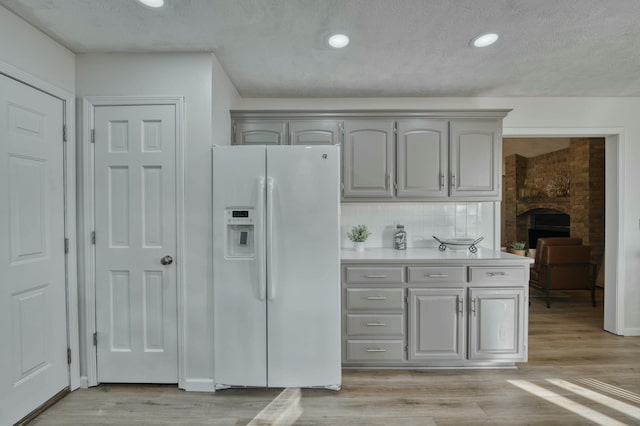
pixel 276 266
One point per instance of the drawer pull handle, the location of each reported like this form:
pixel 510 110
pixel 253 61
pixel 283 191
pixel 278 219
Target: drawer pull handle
pixel 496 274
pixel 375 276
pixel 376 324
pixel 436 275
pixel 376 350
pixel 376 298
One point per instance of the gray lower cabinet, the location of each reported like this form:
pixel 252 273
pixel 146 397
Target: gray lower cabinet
pixel 431 315
pixel 496 328
pixel 436 324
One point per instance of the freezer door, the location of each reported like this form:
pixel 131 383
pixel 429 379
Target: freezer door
pixel 303 266
pixel 239 266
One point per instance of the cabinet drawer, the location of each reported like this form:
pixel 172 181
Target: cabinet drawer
pixel 488 274
pixel 375 325
pixel 359 275
pixel 433 274
pixel 385 299
pixel 375 350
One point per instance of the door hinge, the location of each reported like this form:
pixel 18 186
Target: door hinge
pixel 64 133
pixel 93 237
pixel 68 356
pixel 66 245
pixel 395 127
pixel 93 135
pixel 95 339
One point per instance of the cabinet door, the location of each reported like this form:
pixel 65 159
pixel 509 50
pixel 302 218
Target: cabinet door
pixel 475 158
pixel 259 132
pixel 368 159
pixel 436 324
pixel 422 158
pixel 315 132
pixel 497 324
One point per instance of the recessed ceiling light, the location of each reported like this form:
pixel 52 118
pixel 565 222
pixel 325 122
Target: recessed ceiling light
pixel 152 3
pixel 338 41
pixel 485 40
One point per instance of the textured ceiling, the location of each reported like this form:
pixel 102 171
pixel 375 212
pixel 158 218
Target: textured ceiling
pixel 398 47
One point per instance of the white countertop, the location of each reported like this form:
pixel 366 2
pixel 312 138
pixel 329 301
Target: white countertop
pixel 430 255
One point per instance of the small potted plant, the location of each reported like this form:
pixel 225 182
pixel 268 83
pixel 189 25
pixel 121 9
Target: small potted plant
pixel 517 247
pixel 359 235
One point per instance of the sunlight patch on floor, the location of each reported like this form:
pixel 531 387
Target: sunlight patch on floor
pixel 284 410
pixel 566 403
pixel 613 390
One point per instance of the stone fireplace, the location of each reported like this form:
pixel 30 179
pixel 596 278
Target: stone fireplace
pixel 532 207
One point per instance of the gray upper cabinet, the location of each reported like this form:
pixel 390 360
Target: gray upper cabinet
pixel 315 132
pixel 259 132
pixel 394 155
pixel 368 158
pixel 422 153
pixel 475 159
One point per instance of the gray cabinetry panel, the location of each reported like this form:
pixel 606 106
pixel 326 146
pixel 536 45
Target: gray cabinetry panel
pixel 375 350
pixel 368 158
pixel 421 158
pixel 436 324
pixel 475 154
pixel 315 132
pixel 437 274
pixel 375 275
pixel 384 299
pixel 497 329
pixel 259 132
pixel 375 325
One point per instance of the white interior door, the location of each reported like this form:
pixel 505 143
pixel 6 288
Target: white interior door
pixel 33 324
pixel 135 219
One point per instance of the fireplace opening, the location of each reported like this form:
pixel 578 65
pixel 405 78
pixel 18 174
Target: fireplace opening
pixel 548 225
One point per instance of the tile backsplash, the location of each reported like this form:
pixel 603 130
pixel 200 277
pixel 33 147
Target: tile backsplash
pixel 421 221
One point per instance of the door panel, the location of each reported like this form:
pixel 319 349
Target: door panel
pixel 304 267
pixel 136 309
pixel 436 324
pixel 497 324
pixel 475 158
pixel 315 132
pixel 239 289
pixel 33 325
pixel 368 159
pixel 260 132
pixel 422 158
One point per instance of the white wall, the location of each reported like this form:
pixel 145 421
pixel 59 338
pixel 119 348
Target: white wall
pixel 188 75
pixel 530 116
pixel 29 50
pixel 224 95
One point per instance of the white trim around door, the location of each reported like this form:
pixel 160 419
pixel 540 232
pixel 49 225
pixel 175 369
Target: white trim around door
pixel 87 217
pixel 615 190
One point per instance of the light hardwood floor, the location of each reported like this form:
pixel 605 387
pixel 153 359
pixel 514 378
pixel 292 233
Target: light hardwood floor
pixel 566 342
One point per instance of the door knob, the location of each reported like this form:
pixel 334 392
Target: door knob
pixel 167 260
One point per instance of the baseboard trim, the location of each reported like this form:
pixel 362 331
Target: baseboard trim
pixel 631 332
pixel 199 385
pixel 84 382
pixel 50 402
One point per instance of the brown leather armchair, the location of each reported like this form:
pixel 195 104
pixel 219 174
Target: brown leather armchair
pixel 562 264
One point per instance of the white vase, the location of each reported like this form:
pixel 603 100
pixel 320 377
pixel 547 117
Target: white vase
pixel 358 245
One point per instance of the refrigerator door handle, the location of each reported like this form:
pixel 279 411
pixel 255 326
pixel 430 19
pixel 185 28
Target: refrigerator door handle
pixel 271 289
pixel 261 263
